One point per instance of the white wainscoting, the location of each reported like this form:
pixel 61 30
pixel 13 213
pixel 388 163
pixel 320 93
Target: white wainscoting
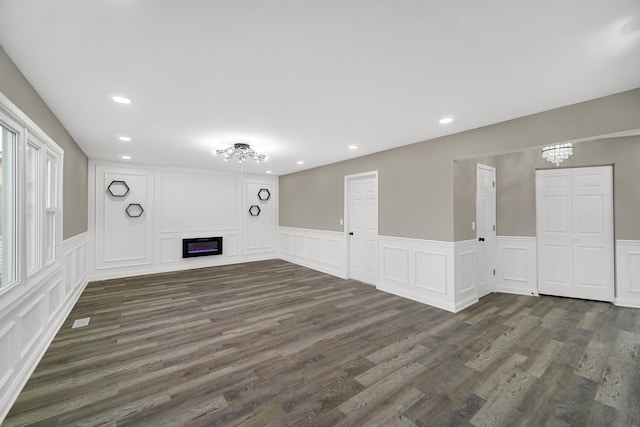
pixel 421 270
pixel 32 313
pixel 516 272
pixel 466 291
pixel 178 204
pixel 317 249
pixel 628 273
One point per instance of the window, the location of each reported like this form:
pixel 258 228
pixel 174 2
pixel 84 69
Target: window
pixel 7 206
pixel 30 219
pixel 32 223
pixel 51 207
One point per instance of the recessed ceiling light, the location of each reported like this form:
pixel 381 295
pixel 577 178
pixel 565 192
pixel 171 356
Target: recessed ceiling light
pixel 445 120
pixel 124 138
pixel 300 162
pixel 125 157
pixel 121 99
pixel 353 147
pixel 268 172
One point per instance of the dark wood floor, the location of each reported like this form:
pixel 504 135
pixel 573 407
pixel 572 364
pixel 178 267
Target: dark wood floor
pixel 271 343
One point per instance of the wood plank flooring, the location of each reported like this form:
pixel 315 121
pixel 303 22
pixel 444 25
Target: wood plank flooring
pixel 271 343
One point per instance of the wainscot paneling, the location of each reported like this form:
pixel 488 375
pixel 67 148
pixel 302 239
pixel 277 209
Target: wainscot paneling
pixel 178 204
pixel 466 292
pixel 31 314
pixel 317 249
pixel 628 273
pixel 516 265
pixel 421 270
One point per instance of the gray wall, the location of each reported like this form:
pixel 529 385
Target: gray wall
pixel 15 87
pixel 516 192
pixel 464 195
pixel 416 182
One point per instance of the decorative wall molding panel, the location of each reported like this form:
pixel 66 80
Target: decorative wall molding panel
pixel 628 273
pixel 259 230
pixel 31 320
pixel 123 241
pixel 517 268
pixel 320 250
pixel 421 270
pixel 178 204
pixel 466 292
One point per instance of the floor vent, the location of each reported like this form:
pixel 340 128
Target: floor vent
pixel 81 323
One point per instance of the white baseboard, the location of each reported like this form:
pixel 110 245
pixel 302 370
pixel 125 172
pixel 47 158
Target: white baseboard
pixel 191 264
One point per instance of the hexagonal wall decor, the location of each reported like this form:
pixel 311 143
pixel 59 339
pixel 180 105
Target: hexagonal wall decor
pixel 118 188
pixel 264 194
pixel 134 210
pixel 254 210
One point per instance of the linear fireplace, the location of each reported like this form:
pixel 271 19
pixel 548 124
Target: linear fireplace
pixel 202 246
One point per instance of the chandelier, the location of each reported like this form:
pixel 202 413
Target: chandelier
pixel 556 154
pixel 241 152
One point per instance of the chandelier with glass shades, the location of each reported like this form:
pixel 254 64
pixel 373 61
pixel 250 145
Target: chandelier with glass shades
pixel 556 154
pixel 241 152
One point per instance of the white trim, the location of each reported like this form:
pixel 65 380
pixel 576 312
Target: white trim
pixel 516 271
pixel 331 243
pixel 155 269
pixel 466 291
pixel 50 319
pixel 420 270
pixel 627 273
pixel 490 234
pixel 411 240
pixel 10 108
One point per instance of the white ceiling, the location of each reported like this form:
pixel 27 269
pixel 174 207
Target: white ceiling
pixel 302 80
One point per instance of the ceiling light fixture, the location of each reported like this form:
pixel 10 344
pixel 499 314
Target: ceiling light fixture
pixel 241 152
pixel 125 157
pixel 124 138
pixel 556 154
pixel 445 120
pixel 353 147
pixel 268 172
pixel 121 99
pixel 300 162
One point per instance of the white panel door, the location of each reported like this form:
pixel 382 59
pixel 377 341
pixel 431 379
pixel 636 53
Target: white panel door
pixel 363 228
pixel 593 263
pixel 554 232
pixel 574 211
pixel 486 228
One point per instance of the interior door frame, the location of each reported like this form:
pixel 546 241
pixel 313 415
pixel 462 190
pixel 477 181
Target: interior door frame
pixel 347 211
pixel 495 225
